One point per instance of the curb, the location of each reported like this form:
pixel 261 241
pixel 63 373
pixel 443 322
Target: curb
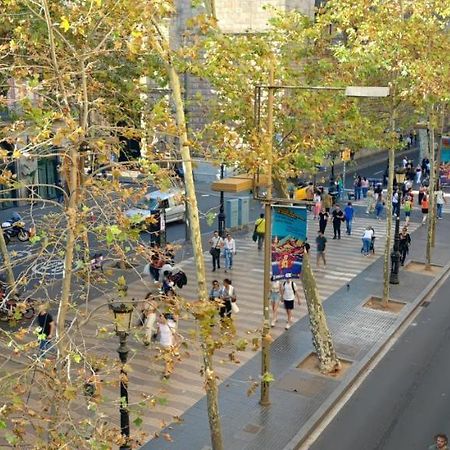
pixel 311 424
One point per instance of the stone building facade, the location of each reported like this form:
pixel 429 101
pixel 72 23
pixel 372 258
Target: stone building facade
pixel 234 16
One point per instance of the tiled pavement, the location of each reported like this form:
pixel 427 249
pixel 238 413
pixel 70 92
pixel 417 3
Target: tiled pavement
pixel 185 386
pixel 299 396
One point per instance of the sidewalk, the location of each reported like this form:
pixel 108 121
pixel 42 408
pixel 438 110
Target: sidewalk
pixel 182 395
pixel 300 398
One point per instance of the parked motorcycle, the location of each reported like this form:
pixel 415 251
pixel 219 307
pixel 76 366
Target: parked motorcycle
pixel 15 227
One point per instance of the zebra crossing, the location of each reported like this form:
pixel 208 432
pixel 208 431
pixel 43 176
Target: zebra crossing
pixel 168 399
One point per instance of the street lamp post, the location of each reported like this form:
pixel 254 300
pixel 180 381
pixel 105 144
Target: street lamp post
pixel 395 254
pixel 122 322
pixel 349 91
pixel 221 216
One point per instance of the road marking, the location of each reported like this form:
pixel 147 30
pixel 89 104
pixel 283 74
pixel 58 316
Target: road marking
pixel 380 171
pixel 53 267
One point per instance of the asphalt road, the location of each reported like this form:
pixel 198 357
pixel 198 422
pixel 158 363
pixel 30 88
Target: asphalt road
pixel 208 201
pixel 405 400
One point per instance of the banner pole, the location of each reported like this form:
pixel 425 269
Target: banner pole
pixel 265 336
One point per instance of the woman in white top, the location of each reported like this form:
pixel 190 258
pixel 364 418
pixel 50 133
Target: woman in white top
pixel 317 204
pixel 167 339
pixel 229 247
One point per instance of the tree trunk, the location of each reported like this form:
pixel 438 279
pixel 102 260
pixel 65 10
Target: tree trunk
pixel 431 200
pixel 11 281
pixel 321 336
pixel 70 245
pixel 387 246
pixel 437 165
pixel 210 376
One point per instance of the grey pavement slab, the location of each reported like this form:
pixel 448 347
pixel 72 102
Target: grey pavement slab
pixel 298 397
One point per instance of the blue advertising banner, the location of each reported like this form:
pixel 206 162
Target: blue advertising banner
pixel 288 236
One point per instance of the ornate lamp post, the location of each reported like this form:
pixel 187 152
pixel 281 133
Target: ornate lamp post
pixel 395 254
pixel 122 323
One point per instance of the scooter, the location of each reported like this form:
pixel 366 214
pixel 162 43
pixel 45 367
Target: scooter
pixel 15 227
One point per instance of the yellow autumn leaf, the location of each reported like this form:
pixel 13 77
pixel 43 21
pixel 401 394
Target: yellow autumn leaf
pixel 16 154
pixel 64 24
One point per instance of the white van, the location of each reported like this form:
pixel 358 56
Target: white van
pixel 170 202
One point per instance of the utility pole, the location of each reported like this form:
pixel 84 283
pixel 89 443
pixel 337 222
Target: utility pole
pixel 265 338
pixel 221 216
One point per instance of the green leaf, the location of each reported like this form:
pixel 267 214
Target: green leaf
pixel 2 424
pixel 210 218
pixel 268 377
pixel 65 24
pixel 138 421
pixel 34 239
pixel 162 401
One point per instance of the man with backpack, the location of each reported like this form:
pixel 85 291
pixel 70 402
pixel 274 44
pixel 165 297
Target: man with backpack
pixel 289 293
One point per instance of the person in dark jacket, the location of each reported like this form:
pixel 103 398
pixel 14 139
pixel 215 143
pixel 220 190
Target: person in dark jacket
pixel 338 218
pixel 405 241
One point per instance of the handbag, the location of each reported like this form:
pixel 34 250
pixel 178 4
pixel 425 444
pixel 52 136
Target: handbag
pixel 213 250
pixel 234 307
pixel 255 235
pixel 146 270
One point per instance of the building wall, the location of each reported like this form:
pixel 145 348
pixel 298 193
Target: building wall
pixel 234 16
pixel 241 16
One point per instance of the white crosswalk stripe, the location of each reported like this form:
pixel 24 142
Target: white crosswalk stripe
pixel 185 386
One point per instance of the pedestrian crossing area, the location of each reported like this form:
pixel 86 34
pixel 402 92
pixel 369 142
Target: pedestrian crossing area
pixel 163 401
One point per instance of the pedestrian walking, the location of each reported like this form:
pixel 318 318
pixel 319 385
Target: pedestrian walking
pixel 418 174
pixel 405 241
pixel 357 187
pixel 60 191
pixel 338 218
pixel 275 288
pixel 149 309
pixel 47 329
pixel 379 205
pixel 289 293
pixel 321 242
pixel 340 186
pixel 229 249
pixel 317 205
pixel 422 191
pixel 216 243
pixel 370 200
pixel 168 341
pixel 440 201
pixel 395 204
pixel 367 241
pixel 260 230
pixel 407 208
pixel 327 202
pixel 364 186
pixel 323 220
pixel 349 213
pixel 440 442
pixel 214 293
pixel 425 206
pixel 228 296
